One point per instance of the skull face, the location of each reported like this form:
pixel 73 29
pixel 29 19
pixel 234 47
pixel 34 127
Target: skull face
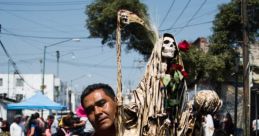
pixel 169 46
pixel 127 17
pixel 124 17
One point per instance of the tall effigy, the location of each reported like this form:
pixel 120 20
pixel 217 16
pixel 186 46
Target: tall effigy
pixel 158 99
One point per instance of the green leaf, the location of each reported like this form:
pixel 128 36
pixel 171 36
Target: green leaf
pixel 166 80
pixel 173 102
pixel 174 86
pixel 178 76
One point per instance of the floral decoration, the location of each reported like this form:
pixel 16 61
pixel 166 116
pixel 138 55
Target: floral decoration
pixel 184 46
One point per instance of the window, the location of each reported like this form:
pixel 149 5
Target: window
pixel 1 81
pixel 19 82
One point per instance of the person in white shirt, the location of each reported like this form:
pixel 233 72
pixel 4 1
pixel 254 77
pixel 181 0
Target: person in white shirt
pixel 84 122
pixel 15 128
pixel 88 125
pixel 255 125
pixel 208 125
pixel 54 126
pixel 1 124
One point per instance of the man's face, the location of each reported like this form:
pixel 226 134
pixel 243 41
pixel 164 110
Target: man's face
pixel 18 120
pixel 100 109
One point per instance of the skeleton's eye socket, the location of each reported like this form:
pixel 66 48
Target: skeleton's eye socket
pixel 166 41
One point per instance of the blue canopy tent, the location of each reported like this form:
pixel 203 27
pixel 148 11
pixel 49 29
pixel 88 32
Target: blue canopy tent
pixel 36 102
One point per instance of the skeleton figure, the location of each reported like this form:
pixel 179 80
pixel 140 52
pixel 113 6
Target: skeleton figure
pixel 146 113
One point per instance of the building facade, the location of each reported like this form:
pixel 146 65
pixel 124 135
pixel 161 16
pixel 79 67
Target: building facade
pixel 17 88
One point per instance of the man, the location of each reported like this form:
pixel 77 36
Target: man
pixel 1 124
pixel 52 124
pixel 83 126
pixel 98 101
pixel 40 122
pixel 255 126
pixel 15 128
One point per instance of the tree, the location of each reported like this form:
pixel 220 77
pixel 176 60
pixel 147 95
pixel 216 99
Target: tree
pixel 102 18
pixel 194 61
pixel 227 26
pixel 218 65
pixel 207 67
pixel 227 34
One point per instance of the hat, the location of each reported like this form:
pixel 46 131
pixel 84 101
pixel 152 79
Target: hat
pixel 17 116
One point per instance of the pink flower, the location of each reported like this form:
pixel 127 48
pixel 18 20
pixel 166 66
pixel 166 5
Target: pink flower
pixel 184 46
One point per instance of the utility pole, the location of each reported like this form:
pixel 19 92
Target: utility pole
pixel 8 79
pixel 58 56
pixel 57 91
pixel 69 100
pixel 237 65
pixel 246 70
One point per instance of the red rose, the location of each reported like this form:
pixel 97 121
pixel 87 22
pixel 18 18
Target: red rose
pixel 177 67
pixel 184 46
pixel 185 74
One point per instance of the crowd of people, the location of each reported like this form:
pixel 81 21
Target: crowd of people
pixel 223 127
pixel 34 125
pixel 99 104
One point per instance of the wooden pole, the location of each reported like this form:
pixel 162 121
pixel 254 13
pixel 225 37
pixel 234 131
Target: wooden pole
pixel 246 70
pixel 119 78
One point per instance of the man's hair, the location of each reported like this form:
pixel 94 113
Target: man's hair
pixel 37 115
pixel 67 121
pixel 105 87
pixel 51 117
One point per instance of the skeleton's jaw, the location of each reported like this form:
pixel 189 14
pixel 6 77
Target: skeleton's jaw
pixel 168 52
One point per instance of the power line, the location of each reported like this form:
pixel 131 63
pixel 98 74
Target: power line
pixel 196 12
pixel 14 65
pixel 23 40
pixel 42 37
pixel 167 13
pixel 37 23
pixel 93 65
pixel 202 23
pixel 205 14
pixel 38 10
pixel 177 19
pixel 43 3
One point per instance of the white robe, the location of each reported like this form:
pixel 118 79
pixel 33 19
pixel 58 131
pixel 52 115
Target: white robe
pixel 16 130
pixel 208 125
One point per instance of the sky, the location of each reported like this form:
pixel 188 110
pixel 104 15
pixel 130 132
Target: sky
pixel 29 25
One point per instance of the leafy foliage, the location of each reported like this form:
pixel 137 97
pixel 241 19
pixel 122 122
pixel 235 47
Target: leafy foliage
pixel 218 65
pixel 196 62
pixel 101 22
pixel 227 27
pixel 227 35
pixel 224 60
pixel 212 67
